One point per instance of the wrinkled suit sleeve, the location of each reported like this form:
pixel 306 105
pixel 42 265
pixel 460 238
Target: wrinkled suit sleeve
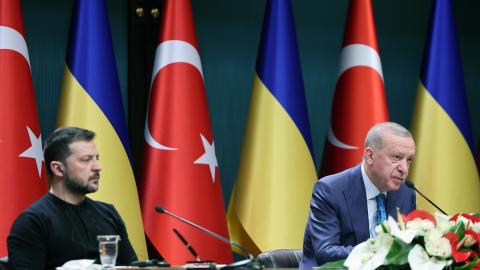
pixel 325 226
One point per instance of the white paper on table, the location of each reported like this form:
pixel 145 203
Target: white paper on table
pixel 83 264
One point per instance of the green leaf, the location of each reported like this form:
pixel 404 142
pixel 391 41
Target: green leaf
pixel 459 229
pixel 332 265
pixel 398 254
pixel 384 227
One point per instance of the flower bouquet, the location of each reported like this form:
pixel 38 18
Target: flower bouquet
pixel 419 241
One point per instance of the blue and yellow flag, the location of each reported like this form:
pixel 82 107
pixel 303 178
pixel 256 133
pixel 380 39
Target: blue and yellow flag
pixel 91 99
pixel 444 167
pixel 270 200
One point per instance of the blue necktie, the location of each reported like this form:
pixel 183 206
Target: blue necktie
pixel 381 212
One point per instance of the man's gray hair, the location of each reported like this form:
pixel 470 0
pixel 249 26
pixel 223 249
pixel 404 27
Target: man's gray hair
pixel 375 135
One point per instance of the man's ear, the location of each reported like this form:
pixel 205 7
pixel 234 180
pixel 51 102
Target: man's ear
pixel 368 154
pixel 57 168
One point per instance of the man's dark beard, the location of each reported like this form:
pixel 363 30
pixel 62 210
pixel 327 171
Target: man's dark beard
pixel 74 186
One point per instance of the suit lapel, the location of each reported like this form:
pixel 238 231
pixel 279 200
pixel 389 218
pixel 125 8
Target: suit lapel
pixel 357 204
pixel 391 204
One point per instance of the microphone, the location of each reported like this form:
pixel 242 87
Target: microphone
pixel 251 261
pixel 412 186
pixel 186 244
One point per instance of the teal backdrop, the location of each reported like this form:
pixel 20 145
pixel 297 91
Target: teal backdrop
pixel 228 34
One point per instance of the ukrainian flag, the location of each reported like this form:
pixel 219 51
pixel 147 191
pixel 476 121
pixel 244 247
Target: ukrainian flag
pixel 270 200
pixel 444 167
pixel 91 99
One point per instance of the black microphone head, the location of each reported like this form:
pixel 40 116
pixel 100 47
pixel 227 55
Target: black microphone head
pixel 409 184
pixel 160 209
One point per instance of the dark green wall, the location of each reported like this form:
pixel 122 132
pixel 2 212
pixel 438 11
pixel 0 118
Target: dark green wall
pixel 47 25
pixel 228 34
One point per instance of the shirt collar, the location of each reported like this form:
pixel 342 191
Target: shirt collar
pixel 370 189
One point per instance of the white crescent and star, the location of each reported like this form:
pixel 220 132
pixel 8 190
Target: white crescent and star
pixel 355 55
pixel 171 52
pixel 333 140
pixel 208 158
pixel 11 39
pixel 35 150
pixel 151 141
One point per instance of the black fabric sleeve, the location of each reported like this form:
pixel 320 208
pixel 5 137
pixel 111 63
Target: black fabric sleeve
pixel 26 243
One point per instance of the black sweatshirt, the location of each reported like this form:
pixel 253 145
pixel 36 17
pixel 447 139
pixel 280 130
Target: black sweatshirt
pixel 51 232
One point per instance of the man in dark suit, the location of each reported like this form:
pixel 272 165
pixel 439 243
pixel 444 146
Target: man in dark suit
pixel 346 207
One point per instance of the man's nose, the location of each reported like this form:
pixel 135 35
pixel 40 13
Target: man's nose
pixel 96 166
pixel 403 167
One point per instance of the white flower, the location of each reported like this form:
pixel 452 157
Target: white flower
pixel 436 245
pixel 406 235
pixel 443 222
pixel 418 259
pixel 378 229
pixel 423 225
pixel 433 234
pixel 469 241
pixel 370 254
pixel 476 227
pixel 465 221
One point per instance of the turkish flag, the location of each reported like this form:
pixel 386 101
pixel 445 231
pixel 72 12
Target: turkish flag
pixel 359 101
pixel 21 161
pixel 179 163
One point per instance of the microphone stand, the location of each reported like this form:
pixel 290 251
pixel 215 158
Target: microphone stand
pixel 250 263
pixel 411 185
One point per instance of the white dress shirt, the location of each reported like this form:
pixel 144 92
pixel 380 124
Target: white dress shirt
pixel 371 191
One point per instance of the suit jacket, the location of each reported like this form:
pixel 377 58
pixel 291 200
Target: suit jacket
pixel 338 218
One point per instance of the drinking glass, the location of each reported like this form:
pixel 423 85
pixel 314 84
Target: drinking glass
pixel 108 249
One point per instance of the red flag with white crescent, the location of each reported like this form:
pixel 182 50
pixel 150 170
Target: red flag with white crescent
pixel 179 164
pixel 21 161
pixel 359 101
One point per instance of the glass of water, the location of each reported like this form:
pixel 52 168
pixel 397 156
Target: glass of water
pixel 108 249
